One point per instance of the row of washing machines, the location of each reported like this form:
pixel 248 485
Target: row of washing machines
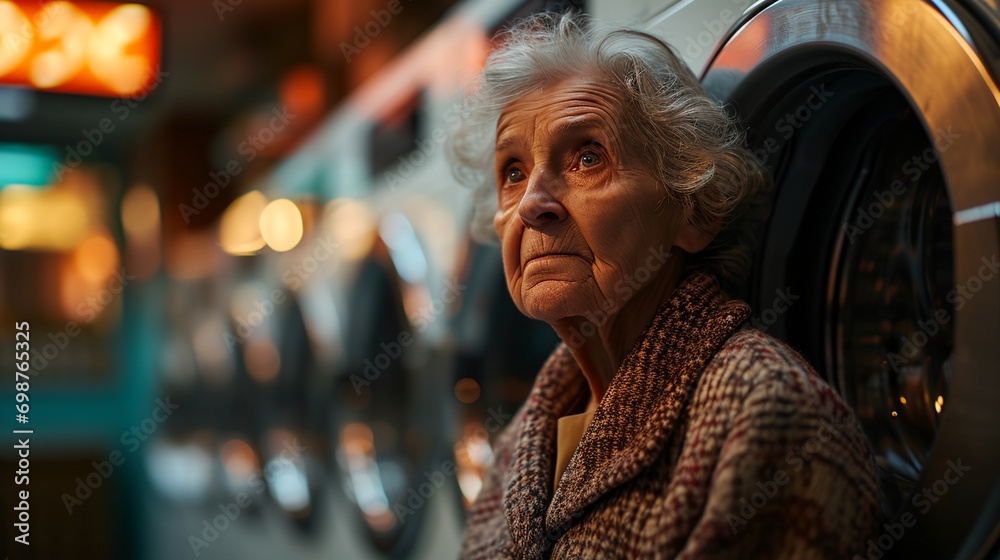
pixel 336 399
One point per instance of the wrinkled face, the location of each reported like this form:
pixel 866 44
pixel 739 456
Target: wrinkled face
pixel 582 223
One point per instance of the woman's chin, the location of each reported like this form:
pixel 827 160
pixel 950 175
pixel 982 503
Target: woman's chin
pixel 550 303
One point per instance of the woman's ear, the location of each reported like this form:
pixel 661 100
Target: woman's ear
pixel 693 239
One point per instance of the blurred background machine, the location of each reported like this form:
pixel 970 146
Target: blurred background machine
pixel 260 328
pixel 229 363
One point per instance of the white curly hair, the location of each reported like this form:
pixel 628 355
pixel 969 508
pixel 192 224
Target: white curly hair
pixel 687 140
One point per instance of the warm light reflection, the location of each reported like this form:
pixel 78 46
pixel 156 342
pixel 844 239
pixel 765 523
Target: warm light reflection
pixel 467 390
pixel 67 29
pixel 303 91
pixel 80 47
pixel 53 219
pixel 281 225
pixel 357 439
pixel 141 222
pixel 352 225
pixel 358 447
pixel 939 403
pixel 902 400
pixel 12 22
pixel 479 451
pixel 239 231
pixel 470 484
pixel 310 210
pixel 141 213
pixel 444 61
pixel 472 455
pixel 262 359
pixel 109 56
pixel 239 459
pixel 191 255
pixel 96 259
pixel 84 291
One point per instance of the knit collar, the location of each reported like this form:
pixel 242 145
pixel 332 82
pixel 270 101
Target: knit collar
pixel 632 424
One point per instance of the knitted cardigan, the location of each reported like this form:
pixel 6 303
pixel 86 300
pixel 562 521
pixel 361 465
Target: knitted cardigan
pixel 713 440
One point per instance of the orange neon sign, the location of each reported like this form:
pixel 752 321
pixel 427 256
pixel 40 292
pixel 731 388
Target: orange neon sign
pixel 93 48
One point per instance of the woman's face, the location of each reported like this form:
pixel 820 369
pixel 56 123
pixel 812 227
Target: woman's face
pixel 582 223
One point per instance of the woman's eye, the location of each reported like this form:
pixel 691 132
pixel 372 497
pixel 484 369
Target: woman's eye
pixel 589 159
pixel 515 176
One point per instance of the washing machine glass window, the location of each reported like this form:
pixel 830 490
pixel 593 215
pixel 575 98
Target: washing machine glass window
pixel 893 316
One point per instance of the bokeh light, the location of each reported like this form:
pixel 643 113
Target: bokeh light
pixel 281 225
pixel 239 231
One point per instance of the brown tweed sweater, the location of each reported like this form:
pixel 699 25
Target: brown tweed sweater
pixel 712 441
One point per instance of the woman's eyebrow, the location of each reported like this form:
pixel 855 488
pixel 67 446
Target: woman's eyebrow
pixel 579 125
pixel 589 127
pixel 505 143
pixel 573 127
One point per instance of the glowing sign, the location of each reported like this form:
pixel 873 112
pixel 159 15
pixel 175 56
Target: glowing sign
pixel 79 47
pixel 26 164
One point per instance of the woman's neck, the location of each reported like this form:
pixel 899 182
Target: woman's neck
pixel 601 342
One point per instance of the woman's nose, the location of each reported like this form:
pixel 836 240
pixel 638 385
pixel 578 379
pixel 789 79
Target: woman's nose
pixel 539 207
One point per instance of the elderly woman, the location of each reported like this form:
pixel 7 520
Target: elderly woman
pixel 663 426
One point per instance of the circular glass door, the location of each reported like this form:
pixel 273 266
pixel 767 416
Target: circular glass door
pixel 891 320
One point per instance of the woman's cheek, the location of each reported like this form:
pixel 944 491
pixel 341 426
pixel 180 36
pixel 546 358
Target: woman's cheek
pixel 498 223
pixel 510 242
pixel 504 225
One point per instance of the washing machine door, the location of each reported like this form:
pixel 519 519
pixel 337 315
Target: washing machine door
pixel 880 121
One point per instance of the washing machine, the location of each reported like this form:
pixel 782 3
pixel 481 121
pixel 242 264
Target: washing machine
pixel 880 123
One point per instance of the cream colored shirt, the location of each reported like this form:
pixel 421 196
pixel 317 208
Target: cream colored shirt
pixel 568 435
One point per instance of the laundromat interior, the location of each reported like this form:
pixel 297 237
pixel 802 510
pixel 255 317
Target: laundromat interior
pixel 261 329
